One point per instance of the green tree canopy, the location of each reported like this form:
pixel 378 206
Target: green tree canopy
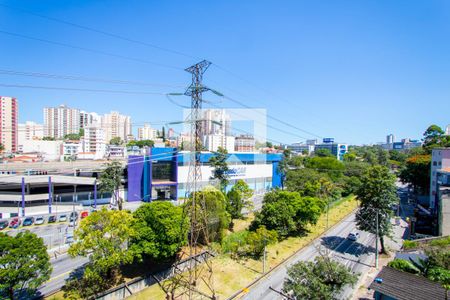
pixel 24 264
pixel 220 167
pixel 435 137
pixel 323 153
pixel 72 137
pixel 211 212
pixel 417 172
pixel 318 280
pixel 328 165
pixel 377 193
pixel 160 230
pixel 304 181
pixel 111 180
pixel 287 212
pixel 104 237
pixel 239 198
pixel 141 144
pixel 116 141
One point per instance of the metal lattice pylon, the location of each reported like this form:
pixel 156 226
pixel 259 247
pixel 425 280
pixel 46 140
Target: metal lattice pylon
pixel 187 280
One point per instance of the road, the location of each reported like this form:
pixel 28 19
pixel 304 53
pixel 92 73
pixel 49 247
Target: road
pixel 358 256
pixel 63 266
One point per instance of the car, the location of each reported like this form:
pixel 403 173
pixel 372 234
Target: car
pixel 28 221
pixel 69 239
pixel 73 216
pixel 14 223
pixel 73 223
pixel 3 224
pixel 51 219
pixel 39 220
pixel 84 214
pixel 62 218
pixel 353 236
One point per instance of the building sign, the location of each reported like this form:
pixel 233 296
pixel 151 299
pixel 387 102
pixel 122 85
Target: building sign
pixel 236 172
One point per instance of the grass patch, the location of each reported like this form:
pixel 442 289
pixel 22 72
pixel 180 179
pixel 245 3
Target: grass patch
pixel 410 244
pixel 232 275
pixel 58 296
pixel 442 243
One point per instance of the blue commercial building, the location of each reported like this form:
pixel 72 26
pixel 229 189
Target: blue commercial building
pixel 163 173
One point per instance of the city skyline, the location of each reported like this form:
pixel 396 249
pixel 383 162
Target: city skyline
pixel 323 76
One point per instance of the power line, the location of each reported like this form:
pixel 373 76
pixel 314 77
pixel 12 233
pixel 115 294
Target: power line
pixel 82 78
pixel 89 50
pixel 114 35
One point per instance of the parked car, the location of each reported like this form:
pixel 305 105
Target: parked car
pixel 3 224
pixel 73 216
pixel 39 220
pixel 28 221
pixel 73 223
pixel 14 223
pixel 84 214
pixel 62 218
pixel 51 219
pixel 353 236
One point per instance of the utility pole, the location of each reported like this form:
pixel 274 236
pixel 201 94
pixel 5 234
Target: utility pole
pixel 376 242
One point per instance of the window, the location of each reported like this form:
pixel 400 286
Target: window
pixel 434 163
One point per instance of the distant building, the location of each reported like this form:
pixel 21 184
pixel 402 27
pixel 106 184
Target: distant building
pixel 30 131
pixel 442 202
pixel 244 143
pixel 114 151
pixel 440 159
pixel 147 133
pixel 9 116
pixel 406 144
pixel 71 149
pixel 170 133
pixel 301 148
pixel 60 121
pixel 48 150
pixel 212 142
pixel 390 139
pixel 94 142
pixel 116 125
pixel 447 130
pixel 338 150
pixel 89 119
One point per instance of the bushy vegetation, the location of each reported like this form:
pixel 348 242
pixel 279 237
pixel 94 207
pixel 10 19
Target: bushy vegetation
pixel 248 243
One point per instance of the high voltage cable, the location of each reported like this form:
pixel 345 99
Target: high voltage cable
pixel 81 78
pixel 162 49
pixel 79 89
pixel 121 37
pixel 90 50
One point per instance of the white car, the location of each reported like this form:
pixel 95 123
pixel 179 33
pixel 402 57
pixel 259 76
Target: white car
pixel 39 221
pixel 353 236
pixel 62 218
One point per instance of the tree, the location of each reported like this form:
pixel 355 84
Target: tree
pixel 141 144
pixel 103 237
pixel 211 213
pixel 323 153
pixel 417 173
pixel 329 165
pixel 72 137
pixel 318 280
pixel 116 141
pixel 2 148
pixel 48 138
pixel 160 230
pixel 435 137
pixel 163 134
pixel 257 240
pixel 24 263
pixel 304 181
pixel 239 198
pixel 219 163
pixel 287 213
pixel 377 194
pixel 283 165
pixel 110 181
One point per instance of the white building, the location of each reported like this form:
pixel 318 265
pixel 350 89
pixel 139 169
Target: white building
pixel 48 150
pixel 447 130
pixel 116 125
pixel 60 121
pixel 71 149
pixel 28 132
pixel 440 159
pixel 114 151
pixel 215 122
pixel 147 133
pixel 301 148
pixel 212 142
pixel 89 119
pixel 94 143
pixel 9 115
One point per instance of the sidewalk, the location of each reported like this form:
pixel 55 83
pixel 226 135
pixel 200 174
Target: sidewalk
pixel 393 245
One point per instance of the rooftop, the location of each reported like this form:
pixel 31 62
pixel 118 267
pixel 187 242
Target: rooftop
pixel 405 286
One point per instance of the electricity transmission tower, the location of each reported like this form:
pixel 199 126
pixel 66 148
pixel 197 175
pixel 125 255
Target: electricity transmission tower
pixel 194 280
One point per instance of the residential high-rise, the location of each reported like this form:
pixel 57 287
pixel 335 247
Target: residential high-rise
pixel 440 159
pixel 146 133
pixel 29 131
pixel 9 115
pixel 244 143
pixel 88 119
pixel 390 139
pixel 116 125
pixel 447 130
pixel 216 130
pixel 94 141
pixel 60 121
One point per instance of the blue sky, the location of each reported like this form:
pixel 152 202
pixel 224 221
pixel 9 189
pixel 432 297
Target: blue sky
pixel 353 70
